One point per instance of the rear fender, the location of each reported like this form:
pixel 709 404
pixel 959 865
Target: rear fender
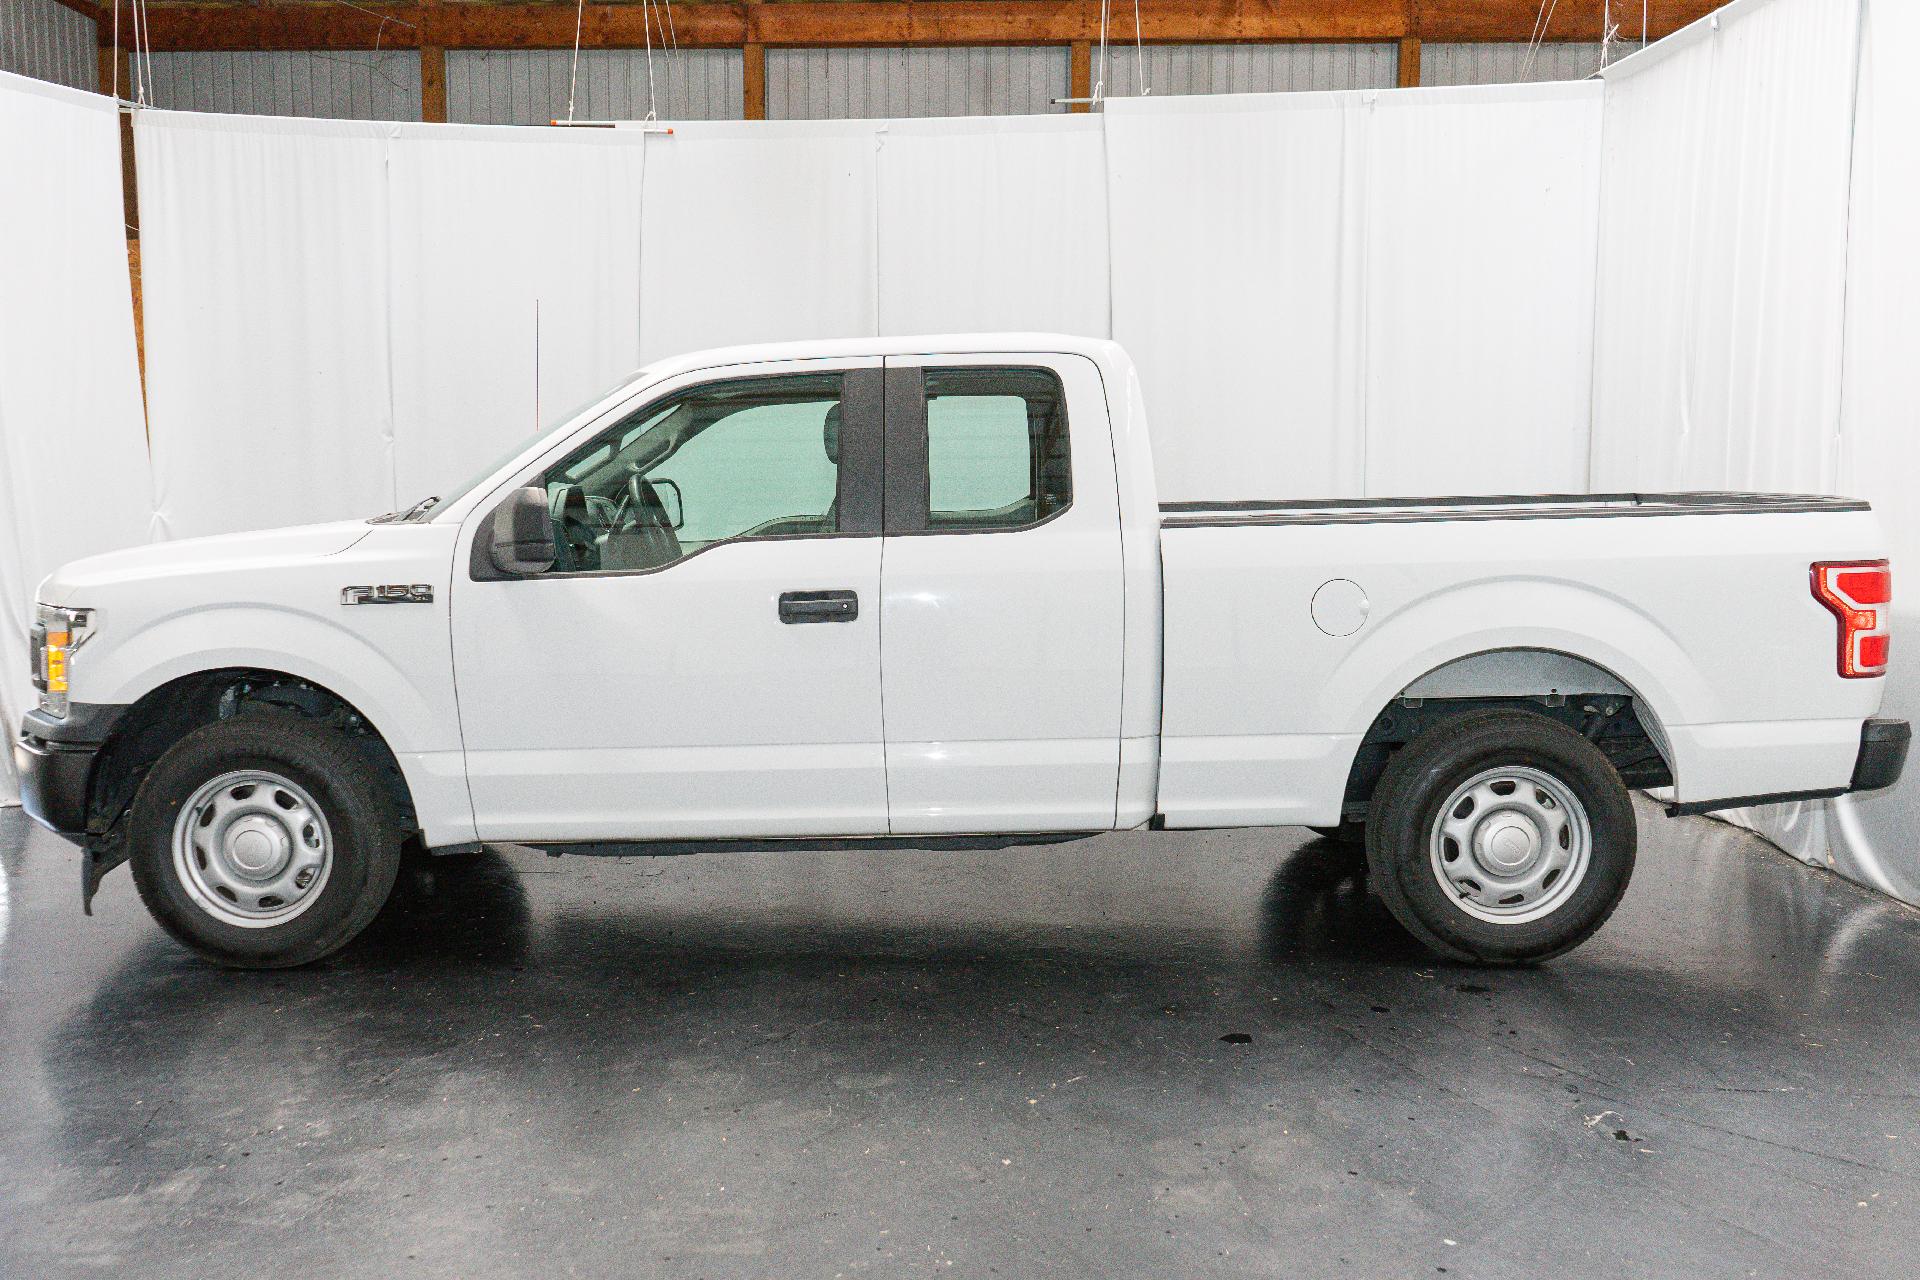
pixel 1510 614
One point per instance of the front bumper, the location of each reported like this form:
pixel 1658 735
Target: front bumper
pixel 55 761
pixel 1883 755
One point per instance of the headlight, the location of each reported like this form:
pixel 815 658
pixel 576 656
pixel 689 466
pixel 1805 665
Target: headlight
pixel 57 635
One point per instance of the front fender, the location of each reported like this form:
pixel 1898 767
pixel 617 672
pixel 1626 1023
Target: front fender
pixel 412 709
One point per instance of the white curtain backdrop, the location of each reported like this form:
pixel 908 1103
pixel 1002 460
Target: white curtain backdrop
pixel 1236 249
pixel 1329 293
pixel 997 223
pixel 1481 224
pixel 1757 316
pixel 264 261
pixel 1876 839
pixel 1723 252
pixel 757 232
pixel 73 450
pixel 516 274
pixel 1334 294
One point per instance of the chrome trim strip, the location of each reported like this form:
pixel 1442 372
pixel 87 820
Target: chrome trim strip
pixel 1187 515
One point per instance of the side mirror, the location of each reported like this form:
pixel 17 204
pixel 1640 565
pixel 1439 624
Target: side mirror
pixel 520 534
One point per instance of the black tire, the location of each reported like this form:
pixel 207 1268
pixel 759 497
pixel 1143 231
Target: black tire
pixel 1349 832
pixel 1424 774
pixel 346 785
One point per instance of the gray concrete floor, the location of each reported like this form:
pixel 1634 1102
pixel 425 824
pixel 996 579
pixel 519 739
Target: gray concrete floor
pixel 1006 1063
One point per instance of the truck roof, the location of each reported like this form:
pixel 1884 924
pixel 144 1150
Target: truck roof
pixel 1103 350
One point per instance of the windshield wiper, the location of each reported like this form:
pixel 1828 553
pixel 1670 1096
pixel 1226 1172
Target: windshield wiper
pixel 418 509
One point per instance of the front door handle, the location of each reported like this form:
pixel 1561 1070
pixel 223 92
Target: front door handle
pixel 819 606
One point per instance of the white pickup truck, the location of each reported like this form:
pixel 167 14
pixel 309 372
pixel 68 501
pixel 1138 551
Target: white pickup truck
pixel 921 591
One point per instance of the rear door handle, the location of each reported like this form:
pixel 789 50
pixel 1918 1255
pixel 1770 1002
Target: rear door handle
pixel 819 606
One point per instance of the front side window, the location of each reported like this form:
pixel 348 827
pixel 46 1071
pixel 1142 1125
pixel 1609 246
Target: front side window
pixel 753 458
pixel 996 448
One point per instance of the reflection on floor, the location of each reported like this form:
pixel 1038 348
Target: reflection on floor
pixel 1205 1055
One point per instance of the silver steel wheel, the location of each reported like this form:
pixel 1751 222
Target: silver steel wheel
pixel 1511 845
pixel 252 849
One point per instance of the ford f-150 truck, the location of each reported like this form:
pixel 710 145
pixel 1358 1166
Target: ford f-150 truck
pixel 923 591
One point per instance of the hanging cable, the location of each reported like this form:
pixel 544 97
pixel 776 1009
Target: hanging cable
pixel 573 76
pixel 1140 85
pixel 1541 21
pixel 116 50
pixel 138 69
pixel 146 30
pixel 1100 75
pixel 646 25
pixel 379 38
pixel 675 64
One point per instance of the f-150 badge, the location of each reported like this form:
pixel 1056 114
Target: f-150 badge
pixel 392 593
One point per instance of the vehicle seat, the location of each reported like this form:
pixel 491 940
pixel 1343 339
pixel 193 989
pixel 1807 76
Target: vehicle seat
pixel 830 440
pixel 572 522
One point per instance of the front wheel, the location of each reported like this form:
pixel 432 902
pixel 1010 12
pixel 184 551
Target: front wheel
pixel 1501 837
pixel 264 841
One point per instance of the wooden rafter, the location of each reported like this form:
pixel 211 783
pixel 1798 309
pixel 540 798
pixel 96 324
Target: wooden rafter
pixel 450 25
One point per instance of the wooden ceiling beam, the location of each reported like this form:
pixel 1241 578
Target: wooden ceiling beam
pixel 454 25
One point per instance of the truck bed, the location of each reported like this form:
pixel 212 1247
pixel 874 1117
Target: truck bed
pixel 1290 626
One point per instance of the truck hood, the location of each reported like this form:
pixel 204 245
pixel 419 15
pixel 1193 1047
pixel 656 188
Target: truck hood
pixel 71 583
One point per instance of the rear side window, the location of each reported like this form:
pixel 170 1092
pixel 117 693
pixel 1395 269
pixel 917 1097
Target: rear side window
pixel 997 450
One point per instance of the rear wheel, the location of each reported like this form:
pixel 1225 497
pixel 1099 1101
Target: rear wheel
pixel 264 841
pixel 1500 837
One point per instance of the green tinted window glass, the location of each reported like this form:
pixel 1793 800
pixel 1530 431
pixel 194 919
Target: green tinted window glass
pixel 754 458
pixel 997 449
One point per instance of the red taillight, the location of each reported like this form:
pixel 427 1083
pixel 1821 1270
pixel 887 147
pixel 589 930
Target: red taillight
pixel 1859 593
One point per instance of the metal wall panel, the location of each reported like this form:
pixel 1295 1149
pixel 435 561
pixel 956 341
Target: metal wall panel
pixel 841 84
pixel 529 86
pixel 49 41
pixel 339 85
pixel 1249 68
pixel 1507 63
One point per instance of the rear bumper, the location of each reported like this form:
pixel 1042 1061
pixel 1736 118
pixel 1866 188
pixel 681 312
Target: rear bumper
pixel 55 761
pixel 1883 754
pixel 1881 759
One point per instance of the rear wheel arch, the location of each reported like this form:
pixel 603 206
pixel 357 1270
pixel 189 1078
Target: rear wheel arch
pixel 1565 687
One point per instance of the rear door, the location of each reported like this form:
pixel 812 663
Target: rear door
pixel 1001 596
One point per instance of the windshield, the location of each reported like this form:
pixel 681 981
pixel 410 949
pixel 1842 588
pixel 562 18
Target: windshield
pixel 427 506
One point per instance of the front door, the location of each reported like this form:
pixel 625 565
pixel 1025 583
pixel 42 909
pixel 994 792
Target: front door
pixel 703 659
pixel 1002 595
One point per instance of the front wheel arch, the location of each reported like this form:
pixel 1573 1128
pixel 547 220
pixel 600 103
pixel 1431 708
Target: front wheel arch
pixel 175 709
